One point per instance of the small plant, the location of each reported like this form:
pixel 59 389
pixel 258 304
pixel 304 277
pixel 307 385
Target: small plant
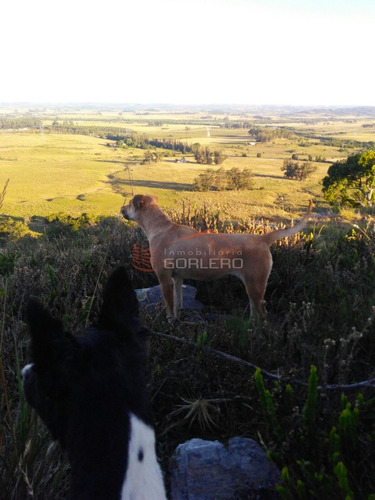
pixel 240 328
pixel 200 411
pixel 329 458
pixel 268 405
pixel 310 411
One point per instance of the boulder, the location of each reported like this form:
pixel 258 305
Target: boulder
pixel 207 470
pixel 151 297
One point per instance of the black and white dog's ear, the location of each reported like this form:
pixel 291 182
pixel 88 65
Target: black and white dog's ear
pixel 120 309
pixel 49 342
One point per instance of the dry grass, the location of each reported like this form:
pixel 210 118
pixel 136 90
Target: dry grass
pixel 320 296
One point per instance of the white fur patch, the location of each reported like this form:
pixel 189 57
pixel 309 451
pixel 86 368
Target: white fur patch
pixel 25 369
pixel 143 480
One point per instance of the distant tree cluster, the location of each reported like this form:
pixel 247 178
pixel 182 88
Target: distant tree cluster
pixel 19 123
pixel 154 123
pixel 224 180
pixel 205 156
pixel 320 159
pixel 66 124
pixel 141 142
pixel 153 156
pixel 347 143
pixel 263 134
pixel 172 144
pixel 296 170
pixel 236 123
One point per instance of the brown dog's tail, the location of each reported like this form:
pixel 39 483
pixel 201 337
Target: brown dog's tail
pixel 270 238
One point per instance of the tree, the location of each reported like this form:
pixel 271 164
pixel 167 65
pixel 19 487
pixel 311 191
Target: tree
pixel 222 180
pixel 219 157
pixel 148 157
pixel 152 156
pixel 299 171
pixel 351 182
pixel 205 181
pixel 306 169
pixel 158 156
pixel 205 156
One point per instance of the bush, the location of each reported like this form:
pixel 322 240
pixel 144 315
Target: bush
pixel 13 230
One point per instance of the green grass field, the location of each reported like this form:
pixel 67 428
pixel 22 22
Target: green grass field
pixel 57 173
pixel 74 174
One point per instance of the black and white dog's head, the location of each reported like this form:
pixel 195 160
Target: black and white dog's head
pixel 91 393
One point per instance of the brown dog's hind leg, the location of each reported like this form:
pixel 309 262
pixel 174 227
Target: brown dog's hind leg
pixel 255 289
pixel 256 302
pixel 255 279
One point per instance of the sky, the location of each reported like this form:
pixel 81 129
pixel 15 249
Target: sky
pixel 256 52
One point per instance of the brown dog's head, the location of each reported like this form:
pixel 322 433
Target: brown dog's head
pixel 137 205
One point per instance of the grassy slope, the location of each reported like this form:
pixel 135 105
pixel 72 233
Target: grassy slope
pixel 48 172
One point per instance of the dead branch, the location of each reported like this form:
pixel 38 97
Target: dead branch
pixel 234 359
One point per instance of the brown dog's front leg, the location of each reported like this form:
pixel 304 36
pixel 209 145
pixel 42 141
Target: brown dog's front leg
pixel 177 296
pixel 166 285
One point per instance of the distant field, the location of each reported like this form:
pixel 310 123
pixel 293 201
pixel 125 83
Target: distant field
pixel 273 194
pixel 68 173
pixel 57 173
pixel 75 174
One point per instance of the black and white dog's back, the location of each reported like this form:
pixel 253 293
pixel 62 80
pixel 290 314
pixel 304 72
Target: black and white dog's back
pixel 90 390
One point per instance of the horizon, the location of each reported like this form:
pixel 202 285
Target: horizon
pixel 165 106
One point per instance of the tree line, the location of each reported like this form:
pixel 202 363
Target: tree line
pixel 19 123
pixel 262 134
pixel 141 142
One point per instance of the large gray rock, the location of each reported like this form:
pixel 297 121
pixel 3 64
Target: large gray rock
pixel 207 470
pixel 151 297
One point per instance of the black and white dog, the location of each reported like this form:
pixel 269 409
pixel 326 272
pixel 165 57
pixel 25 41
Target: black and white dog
pixel 90 390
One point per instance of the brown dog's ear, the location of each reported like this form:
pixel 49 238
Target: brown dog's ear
pixel 154 197
pixel 139 201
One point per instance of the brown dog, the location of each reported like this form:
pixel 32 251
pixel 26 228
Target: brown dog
pixel 180 252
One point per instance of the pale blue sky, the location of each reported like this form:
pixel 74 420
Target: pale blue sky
pixel 321 5
pixel 314 52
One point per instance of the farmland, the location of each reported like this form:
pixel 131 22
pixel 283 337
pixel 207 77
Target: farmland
pixel 67 164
